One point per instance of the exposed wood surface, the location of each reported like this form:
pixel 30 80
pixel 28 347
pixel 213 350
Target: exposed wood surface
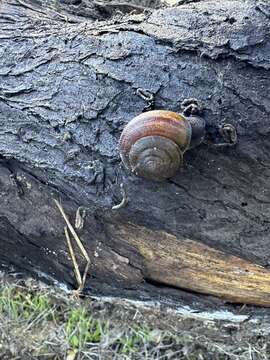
pixel 190 265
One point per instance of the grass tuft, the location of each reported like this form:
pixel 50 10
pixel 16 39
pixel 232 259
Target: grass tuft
pixel 82 329
pixel 39 322
pixel 16 304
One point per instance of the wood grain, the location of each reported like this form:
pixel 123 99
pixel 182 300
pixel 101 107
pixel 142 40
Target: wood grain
pixel 194 266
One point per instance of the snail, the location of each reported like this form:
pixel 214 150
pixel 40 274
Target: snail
pixel 153 143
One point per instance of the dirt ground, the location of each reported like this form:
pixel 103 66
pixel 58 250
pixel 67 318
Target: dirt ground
pixel 44 322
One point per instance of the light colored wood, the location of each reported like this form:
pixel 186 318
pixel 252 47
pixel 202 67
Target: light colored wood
pixel 194 266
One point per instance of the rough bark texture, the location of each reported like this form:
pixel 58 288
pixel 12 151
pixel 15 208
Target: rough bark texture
pixel 68 87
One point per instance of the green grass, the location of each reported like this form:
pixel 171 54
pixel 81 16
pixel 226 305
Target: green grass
pixel 24 312
pixel 81 328
pixel 39 322
pixel 131 342
pixel 16 304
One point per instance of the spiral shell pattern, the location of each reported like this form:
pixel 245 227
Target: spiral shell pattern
pixel 152 144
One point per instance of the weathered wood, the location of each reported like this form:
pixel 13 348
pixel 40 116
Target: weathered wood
pixel 190 265
pixel 68 86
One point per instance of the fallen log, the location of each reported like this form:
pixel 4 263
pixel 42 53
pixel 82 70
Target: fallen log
pixel 70 83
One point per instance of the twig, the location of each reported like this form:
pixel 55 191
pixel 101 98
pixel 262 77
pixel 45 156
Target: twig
pixel 124 201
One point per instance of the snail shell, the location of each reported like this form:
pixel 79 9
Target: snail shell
pixel 153 143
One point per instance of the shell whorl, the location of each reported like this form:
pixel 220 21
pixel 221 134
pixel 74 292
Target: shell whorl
pixel 152 144
pixel 155 158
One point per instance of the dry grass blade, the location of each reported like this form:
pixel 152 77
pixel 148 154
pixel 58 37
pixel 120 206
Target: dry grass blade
pixel 74 261
pixel 81 280
pixel 84 276
pixel 71 229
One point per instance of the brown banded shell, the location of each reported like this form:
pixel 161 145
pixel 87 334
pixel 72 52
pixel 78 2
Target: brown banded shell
pixel 153 143
pixel 155 158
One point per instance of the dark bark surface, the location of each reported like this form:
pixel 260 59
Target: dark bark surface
pixel 68 86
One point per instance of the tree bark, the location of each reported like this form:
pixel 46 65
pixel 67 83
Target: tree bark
pixel 68 86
